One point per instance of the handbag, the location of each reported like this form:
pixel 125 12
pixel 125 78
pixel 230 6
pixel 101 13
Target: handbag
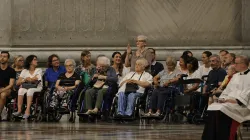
pixel 28 85
pixel 132 87
pixel 99 84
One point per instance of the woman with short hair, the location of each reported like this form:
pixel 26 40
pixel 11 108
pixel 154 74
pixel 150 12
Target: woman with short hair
pixel 104 77
pixel 53 71
pixel 142 79
pixel 163 82
pixel 67 82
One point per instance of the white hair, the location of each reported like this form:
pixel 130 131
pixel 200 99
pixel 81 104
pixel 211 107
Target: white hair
pixel 142 37
pixel 103 60
pixel 142 61
pixel 70 60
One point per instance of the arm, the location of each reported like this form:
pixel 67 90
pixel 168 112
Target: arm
pixel 111 75
pixel 156 80
pixel 73 87
pixel 11 83
pixel 127 59
pixel 57 84
pixel 148 56
pixel 143 84
pixel 146 81
pixel 193 88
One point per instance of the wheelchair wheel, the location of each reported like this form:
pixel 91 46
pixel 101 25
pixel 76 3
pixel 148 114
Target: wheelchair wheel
pixel 83 119
pixel 56 116
pixel 197 119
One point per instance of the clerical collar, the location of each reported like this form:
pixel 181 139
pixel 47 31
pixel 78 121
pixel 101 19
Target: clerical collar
pixel 245 72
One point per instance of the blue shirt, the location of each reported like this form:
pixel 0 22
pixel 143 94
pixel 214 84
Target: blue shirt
pixel 51 75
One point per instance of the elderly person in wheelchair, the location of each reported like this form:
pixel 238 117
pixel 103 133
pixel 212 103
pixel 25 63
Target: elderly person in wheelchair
pixel 132 86
pixel 65 84
pixel 163 82
pixel 104 77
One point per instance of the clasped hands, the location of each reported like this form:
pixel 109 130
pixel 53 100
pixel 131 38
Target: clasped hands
pixel 99 76
pixel 132 81
pixel 222 100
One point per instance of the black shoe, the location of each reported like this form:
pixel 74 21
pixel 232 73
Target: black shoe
pixel 119 116
pixel 71 117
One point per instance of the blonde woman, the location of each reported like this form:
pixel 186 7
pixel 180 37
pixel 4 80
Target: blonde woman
pixel 18 66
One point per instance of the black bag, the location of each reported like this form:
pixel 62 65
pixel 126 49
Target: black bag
pixel 132 87
pixel 28 85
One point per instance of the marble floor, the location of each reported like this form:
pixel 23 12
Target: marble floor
pixel 103 131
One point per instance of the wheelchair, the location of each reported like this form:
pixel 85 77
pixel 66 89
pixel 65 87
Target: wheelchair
pixel 53 104
pixel 36 112
pixel 168 106
pixel 103 113
pixel 192 106
pixel 141 105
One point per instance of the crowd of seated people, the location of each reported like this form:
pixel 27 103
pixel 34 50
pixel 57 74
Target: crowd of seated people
pixel 137 67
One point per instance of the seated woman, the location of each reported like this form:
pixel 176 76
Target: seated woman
pixel 216 92
pixel 85 70
pixel 30 74
pixel 142 79
pixel 183 64
pixel 53 71
pixel 167 77
pixel 104 77
pixel 66 82
pixel 119 67
pixel 192 66
pixel 18 66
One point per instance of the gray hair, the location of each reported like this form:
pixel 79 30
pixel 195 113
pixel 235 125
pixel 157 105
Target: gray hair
pixel 244 59
pixel 142 61
pixel 171 60
pixel 103 60
pixel 70 60
pixel 216 56
pixel 142 37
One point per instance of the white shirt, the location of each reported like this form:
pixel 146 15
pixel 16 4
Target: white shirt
pixel 194 75
pixel 203 70
pixel 125 71
pixel 237 88
pixel 38 72
pixel 144 77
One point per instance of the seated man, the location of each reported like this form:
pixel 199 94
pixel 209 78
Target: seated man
pixel 215 76
pixel 233 105
pixel 141 78
pixel 217 91
pixel 7 79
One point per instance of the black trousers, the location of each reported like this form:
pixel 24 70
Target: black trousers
pixel 219 126
pixel 158 98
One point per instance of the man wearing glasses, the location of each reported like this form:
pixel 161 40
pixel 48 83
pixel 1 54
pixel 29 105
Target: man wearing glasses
pixel 7 78
pixel 141 52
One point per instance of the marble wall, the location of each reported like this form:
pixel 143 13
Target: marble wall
pixel 62 26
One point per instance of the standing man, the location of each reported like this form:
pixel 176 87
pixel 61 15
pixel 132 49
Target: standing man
pixel 141 52
pixel 7 78
pixel 156 67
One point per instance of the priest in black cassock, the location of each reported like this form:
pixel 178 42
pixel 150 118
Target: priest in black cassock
pixel 233 106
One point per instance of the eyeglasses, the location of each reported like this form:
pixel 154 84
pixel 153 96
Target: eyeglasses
pixel 55 60
pixel 140 41
pixel 69 66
